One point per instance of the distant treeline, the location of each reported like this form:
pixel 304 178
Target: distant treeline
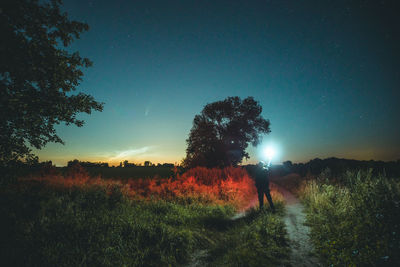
pixel 124 164
pixel 87 164
pixel 103 169
pixel 338 166
pixel 314 167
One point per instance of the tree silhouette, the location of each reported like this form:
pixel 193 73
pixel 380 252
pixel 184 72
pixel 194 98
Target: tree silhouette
pixel 222 132
pixel 37 76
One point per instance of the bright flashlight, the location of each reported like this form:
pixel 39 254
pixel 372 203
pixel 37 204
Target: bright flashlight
pixel 269 153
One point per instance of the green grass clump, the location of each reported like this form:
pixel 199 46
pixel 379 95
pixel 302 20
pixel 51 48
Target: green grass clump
pixel 45 226
pixel 258 239
pixel 355 221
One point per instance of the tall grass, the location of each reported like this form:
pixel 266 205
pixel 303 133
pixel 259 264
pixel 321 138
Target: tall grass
pixel 77 220
pixel 355 218
pixel 229 186
pixel 73 226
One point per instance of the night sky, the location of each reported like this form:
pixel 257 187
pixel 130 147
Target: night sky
pixel 327 74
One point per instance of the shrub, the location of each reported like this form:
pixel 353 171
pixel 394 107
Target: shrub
pixel 356 220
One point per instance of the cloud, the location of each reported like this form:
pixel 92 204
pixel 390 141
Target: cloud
pixel 118 155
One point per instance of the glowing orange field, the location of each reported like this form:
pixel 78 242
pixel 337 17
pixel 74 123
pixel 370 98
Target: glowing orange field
pixel 230 185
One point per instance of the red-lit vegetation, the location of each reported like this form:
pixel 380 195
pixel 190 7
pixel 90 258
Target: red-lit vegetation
pixel 232 186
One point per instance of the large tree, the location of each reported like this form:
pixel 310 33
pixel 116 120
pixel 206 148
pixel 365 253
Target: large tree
pixel 222 132
pixel 38 76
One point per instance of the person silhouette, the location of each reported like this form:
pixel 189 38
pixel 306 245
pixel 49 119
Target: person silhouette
pixel 262 183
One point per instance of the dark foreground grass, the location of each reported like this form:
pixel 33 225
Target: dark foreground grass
pixel 355 221
pixel 258 239
pixel 92 226
pixel 43 226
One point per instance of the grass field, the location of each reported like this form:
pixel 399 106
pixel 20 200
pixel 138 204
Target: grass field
pixel 80 220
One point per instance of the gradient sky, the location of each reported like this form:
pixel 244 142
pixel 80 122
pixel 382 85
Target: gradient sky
pixel 327 74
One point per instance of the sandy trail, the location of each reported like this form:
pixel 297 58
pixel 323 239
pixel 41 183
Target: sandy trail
pixel 301 248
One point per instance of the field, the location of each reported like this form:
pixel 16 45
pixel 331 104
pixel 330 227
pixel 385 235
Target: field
pixel 77 219
pixel 203 217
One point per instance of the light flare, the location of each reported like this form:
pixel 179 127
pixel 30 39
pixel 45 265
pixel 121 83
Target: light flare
pixel 269 152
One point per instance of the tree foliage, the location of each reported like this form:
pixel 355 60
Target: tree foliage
pixel 222 132
pixel 37 76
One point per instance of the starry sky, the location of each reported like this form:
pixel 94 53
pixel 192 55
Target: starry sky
pixel 327 74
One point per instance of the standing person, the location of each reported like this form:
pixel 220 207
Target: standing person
pixel 262 183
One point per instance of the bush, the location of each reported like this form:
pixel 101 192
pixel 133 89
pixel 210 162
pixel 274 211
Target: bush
pixel 356 220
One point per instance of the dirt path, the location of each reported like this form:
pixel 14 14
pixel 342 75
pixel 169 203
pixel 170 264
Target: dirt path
pixel 300 245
